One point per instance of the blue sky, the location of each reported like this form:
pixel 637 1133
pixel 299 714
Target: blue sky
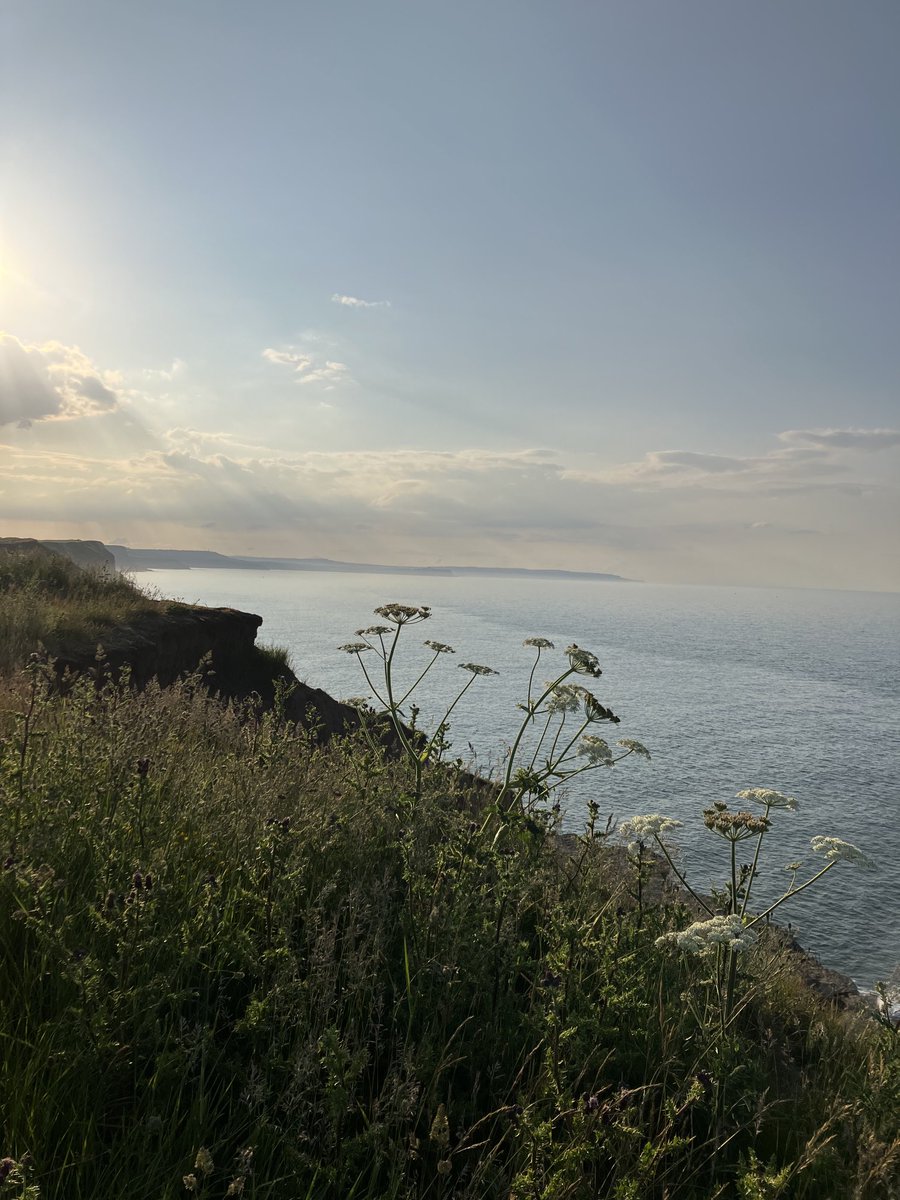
pixel 602 286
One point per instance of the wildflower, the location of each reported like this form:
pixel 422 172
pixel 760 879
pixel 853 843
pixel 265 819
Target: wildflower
pixel 190 1182
pixel 583 662
pixel 476 669
pixel 354 647
pixel 204 1162
pixel 793 866
pixel 142 766
pixel 403 614
pixel 704 936
pixel 595 750
pixel 595 711
pixel 236 1187
pixel 768 798
pixel 374 631
pixel 357 701
pixel 538 643
pixel 440 647
pixel 734 826
pixel 834 848
pixel 651 825
pixel 440 1127
pixel 635 747
pixel 565 697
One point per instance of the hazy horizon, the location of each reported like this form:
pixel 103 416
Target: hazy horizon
pixel 591 288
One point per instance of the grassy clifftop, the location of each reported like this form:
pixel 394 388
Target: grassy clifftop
pixel 240 961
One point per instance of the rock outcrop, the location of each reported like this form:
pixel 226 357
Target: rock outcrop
pixel 173 640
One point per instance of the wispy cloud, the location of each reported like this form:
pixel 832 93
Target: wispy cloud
pixel 355 302
pixel 166 374
pixel 308 369
pixel 844 439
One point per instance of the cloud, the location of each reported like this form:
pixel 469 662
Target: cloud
pixel 51 381
pixel 796 514
pixel 326 371
pixel 166 374
pixel 805 460
pixel 355 302
pixel 844 439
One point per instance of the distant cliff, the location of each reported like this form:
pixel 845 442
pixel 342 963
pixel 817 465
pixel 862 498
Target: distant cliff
pixel 93 556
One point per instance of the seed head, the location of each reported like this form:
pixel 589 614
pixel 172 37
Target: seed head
pixel 354 647
pixel 403 614
pixel 594 711
pixel 477 669
pixel 583 662
pixel 539 643
pixel 734 826
pixel 204 1162
pixel 440 647
pixel 440 1128
pixel 635 747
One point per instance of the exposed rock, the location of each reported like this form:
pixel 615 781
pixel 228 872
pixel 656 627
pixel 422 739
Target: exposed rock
pixel 173 640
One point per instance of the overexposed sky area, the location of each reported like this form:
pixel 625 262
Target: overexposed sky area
pixel 607 286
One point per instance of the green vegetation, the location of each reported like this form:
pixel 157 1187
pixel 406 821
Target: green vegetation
pixel 46 599
pixel 241 962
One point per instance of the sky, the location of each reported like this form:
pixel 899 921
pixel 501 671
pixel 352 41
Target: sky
pixel 603 285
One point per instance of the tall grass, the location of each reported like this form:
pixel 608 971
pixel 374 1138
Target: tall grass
pixel 46 599
pixel 236 961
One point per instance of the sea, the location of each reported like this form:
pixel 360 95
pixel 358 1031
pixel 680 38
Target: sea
pixel 729 688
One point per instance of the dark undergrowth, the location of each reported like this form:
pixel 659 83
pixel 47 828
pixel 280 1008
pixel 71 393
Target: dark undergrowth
pixel 236 961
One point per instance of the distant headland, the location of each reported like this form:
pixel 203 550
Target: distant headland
pixel 128 559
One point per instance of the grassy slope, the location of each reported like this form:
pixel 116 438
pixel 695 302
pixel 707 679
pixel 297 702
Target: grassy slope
pixel 218 937
pixel 45 598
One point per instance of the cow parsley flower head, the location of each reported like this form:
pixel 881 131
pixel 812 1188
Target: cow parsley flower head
pixel 477 669
pixel 704 936
pixel 440 647
pixel 635 747
pixel 538 643
pixel 565 697
pixel 595 750
pixel 583 662
pixel 403 614
pixel 835 848
pixel 734 826
pixel 594 710
pixel 354 647
pixel 373 631
pixel 768 798
pixel 651 825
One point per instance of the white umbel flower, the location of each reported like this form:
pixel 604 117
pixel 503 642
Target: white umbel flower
pixel 768 798
pixel 635 747
pixel 836 848
pixel 651 825
pixel 704 936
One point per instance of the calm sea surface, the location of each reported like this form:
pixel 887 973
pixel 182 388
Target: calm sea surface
pixel 728 687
